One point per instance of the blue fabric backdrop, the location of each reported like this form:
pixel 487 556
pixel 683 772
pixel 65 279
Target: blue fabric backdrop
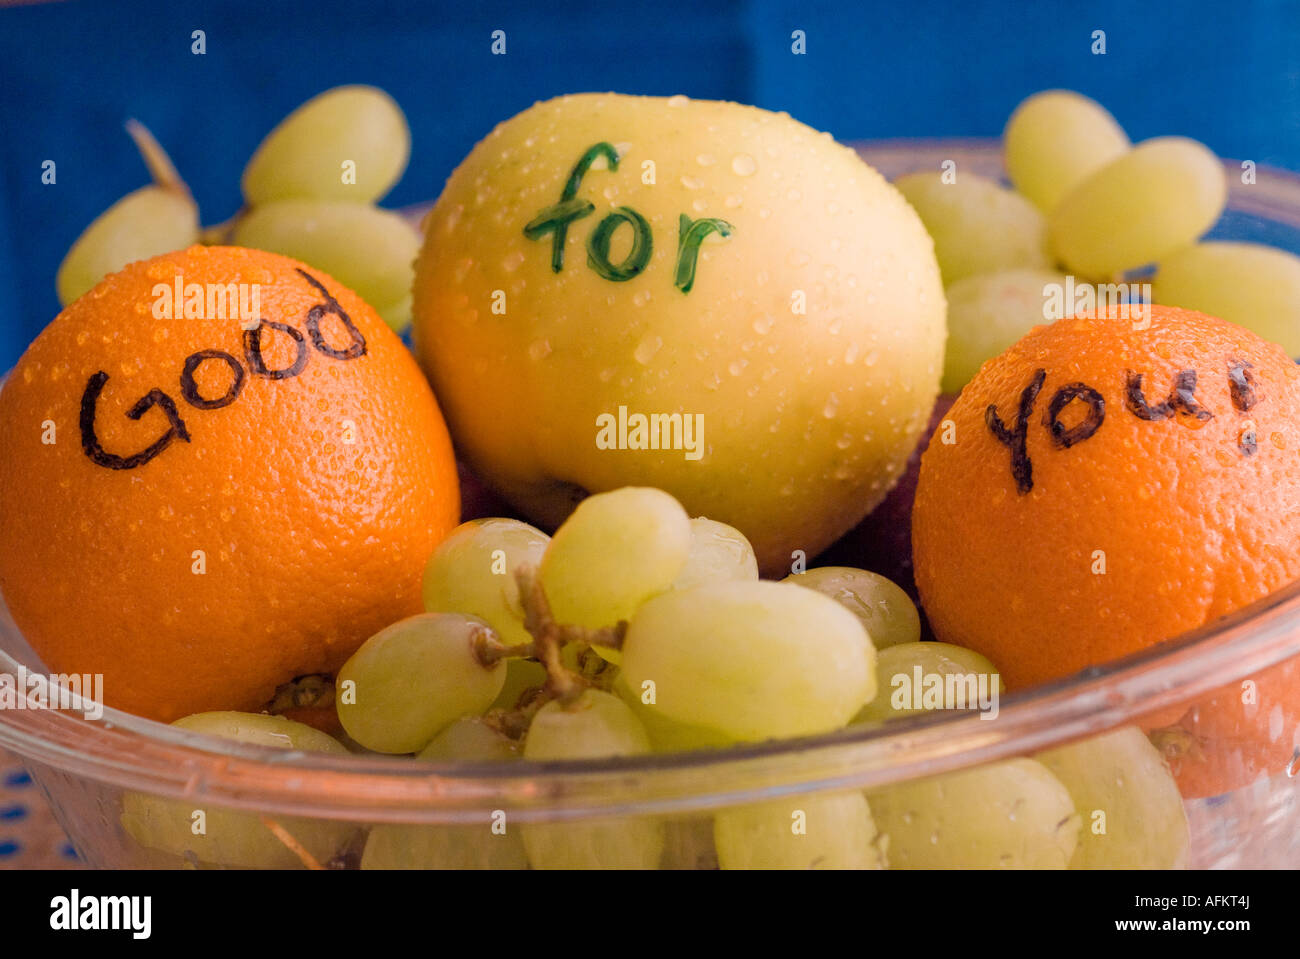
pixel 70 73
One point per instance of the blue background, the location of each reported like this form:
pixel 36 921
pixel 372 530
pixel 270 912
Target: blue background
pixel 70 73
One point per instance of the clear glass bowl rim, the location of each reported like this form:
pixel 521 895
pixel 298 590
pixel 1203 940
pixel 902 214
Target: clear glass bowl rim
pixel 131 753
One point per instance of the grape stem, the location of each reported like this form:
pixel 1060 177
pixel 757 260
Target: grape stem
pixel 292 844
pixel 156 160
pixel 219 234
pixel 549 637
pixel 489 650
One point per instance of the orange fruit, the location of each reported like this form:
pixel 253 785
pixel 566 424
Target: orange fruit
pixel 1104 486
pixel 201 512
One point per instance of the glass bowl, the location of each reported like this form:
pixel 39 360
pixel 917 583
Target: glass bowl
pixel 102 775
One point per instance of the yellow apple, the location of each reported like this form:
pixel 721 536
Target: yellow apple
pixel 699 296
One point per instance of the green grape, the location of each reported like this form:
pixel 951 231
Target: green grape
pixel 1005 815
pixel 978 226
pixel 1160 196
pixel 801 832
pixel 521 675
pixel 369 250
pixel 988 313
pixel 412 679
pixel 469 739
pixel 718 553
pixel 1249 284
pixel 397 315
pixel 597 725
pixel 616 551
pixel 1133 816
pixel 665 735
pixel 145 223
pixel 898 694
pixel 200 833
pixel 688 844
pixel 493 844
pixel 885 609
pixel 1054 140
pixel 307 154
pixel 473 572
pixel 751 660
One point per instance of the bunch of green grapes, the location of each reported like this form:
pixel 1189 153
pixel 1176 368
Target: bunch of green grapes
pixel 1088 203
pixel 309 192
pixel 636 629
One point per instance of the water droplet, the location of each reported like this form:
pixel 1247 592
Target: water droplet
pixel 641 298
pixel 513 261
pixel 462 268
pixel 678 100
pixel 705 159
pixel 610 192
pixel 762 277
pixel 700 206
pixel 732 201
pixel 798 258
pixel 692 183
pixel 742 164
pixel 870 358
pixel 737 367
pixel 763 325
pixel 844 442
pixel 764 213
pixel 540 349
pixel 606 374
pixel 83 336
pixel 647 348
pixel 793 195
pixel 832 407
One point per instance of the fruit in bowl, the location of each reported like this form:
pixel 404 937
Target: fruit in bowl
pixel 595 263
pixel 1112 483
pixel 205 507
pixel 702 297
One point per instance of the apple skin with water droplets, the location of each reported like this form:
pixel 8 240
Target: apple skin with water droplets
pixel 600 258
